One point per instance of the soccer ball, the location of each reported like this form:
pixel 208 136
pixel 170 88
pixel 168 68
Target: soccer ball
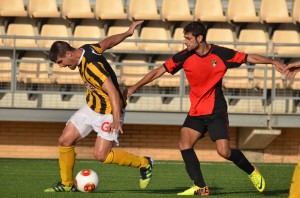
pixel 86 180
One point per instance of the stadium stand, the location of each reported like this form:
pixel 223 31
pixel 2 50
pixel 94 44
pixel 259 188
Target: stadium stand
pixel 133 69
pixel 20 29
pixel 12 8
pixel 253 39
pixel 88 30
pixel 271 12
pixel 137 10
pixel 237 79
pixel 286 34
pixel 155 32
pixel 77 9
pixel 118 28
pixel 213 36
pixel 55 29
pixel 33 70
pixel 241 11
pixel 296 11
pixel 178 36
pixel 265 74
pixel 5 68
pixel 176 10
pixel 110 10
pixel 209 11
pixel 43 9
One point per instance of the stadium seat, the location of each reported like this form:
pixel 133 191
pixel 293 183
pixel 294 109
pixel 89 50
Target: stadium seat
pixel 178 36
pixel 87 31
pixel 296 11
pixel 77 9
pixel 213 36
pixel 32 70
pixel 237 78
pixel 120 28
pixel 43 9
pixel 295 84
pixel 176 10
pixel 132 70
pixel 256 34
pixel 259 77
pixel 5 68
pixel 274 12
pixel 20 29
pixel 209 11
pixel 137 10
pixel 52 30
pixel 110 10
pixel 286 36
pixel 65 76
pixel 12 8
pixel 242 11
pixel 154 33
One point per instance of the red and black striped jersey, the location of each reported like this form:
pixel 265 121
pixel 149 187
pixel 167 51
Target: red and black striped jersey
pixel 94 69
pixel 204 74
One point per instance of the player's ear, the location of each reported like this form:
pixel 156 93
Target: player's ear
pixel 69 54
pixel 199 38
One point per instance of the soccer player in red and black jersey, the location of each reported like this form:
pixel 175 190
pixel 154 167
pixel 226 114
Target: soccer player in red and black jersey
pixel 204 66
pixel 290 72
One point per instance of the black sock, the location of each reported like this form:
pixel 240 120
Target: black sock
pixel 192 166
pixel 239 159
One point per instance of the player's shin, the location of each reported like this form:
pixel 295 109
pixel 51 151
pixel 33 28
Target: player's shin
pixel 66 164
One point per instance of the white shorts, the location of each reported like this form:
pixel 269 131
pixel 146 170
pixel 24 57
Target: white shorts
pixel 86 120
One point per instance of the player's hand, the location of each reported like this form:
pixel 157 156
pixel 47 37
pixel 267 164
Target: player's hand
pixel 129 91
pixel 133 26
pixel 291 70
pixel 279 66
pixel 115 127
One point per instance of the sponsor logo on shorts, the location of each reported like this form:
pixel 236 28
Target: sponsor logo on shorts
pixel 105 127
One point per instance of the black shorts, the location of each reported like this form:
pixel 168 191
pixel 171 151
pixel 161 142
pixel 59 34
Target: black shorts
pixel 216 124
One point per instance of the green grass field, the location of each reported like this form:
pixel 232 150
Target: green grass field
pixel 28 178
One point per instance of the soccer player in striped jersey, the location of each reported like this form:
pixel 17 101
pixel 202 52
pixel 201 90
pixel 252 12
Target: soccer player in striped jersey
pixel 103 112
pixel 204 66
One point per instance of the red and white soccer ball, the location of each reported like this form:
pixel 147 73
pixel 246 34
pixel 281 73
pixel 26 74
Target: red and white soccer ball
pixel 86 180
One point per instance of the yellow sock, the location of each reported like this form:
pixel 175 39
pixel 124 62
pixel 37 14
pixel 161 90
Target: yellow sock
pixel 295 190
pixel 66 164
pixel 124 158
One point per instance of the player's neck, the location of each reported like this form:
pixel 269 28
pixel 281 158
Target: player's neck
pixel 203 49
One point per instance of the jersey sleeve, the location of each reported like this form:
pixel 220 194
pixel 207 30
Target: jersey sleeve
pixel 231 58
pixel 175 63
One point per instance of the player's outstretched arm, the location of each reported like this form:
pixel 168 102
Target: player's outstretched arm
pixel 152 75
pixel 292 69
pixel 258 59
pixel 114 40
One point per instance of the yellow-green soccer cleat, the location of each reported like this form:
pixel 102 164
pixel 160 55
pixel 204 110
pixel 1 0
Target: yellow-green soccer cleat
pixel 257 180
pixel 195 190
pixel 146 173
pixel 59 187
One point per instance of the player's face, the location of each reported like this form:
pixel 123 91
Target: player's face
pixel 67 61
pixel 191 42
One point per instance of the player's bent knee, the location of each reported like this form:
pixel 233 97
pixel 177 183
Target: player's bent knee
pixel 224 154
pixel 100 157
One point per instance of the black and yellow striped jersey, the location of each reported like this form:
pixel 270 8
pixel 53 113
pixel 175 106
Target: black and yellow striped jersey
pixel 94 69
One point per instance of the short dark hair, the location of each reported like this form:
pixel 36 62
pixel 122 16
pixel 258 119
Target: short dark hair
pixel 59 49
pixel 196 28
